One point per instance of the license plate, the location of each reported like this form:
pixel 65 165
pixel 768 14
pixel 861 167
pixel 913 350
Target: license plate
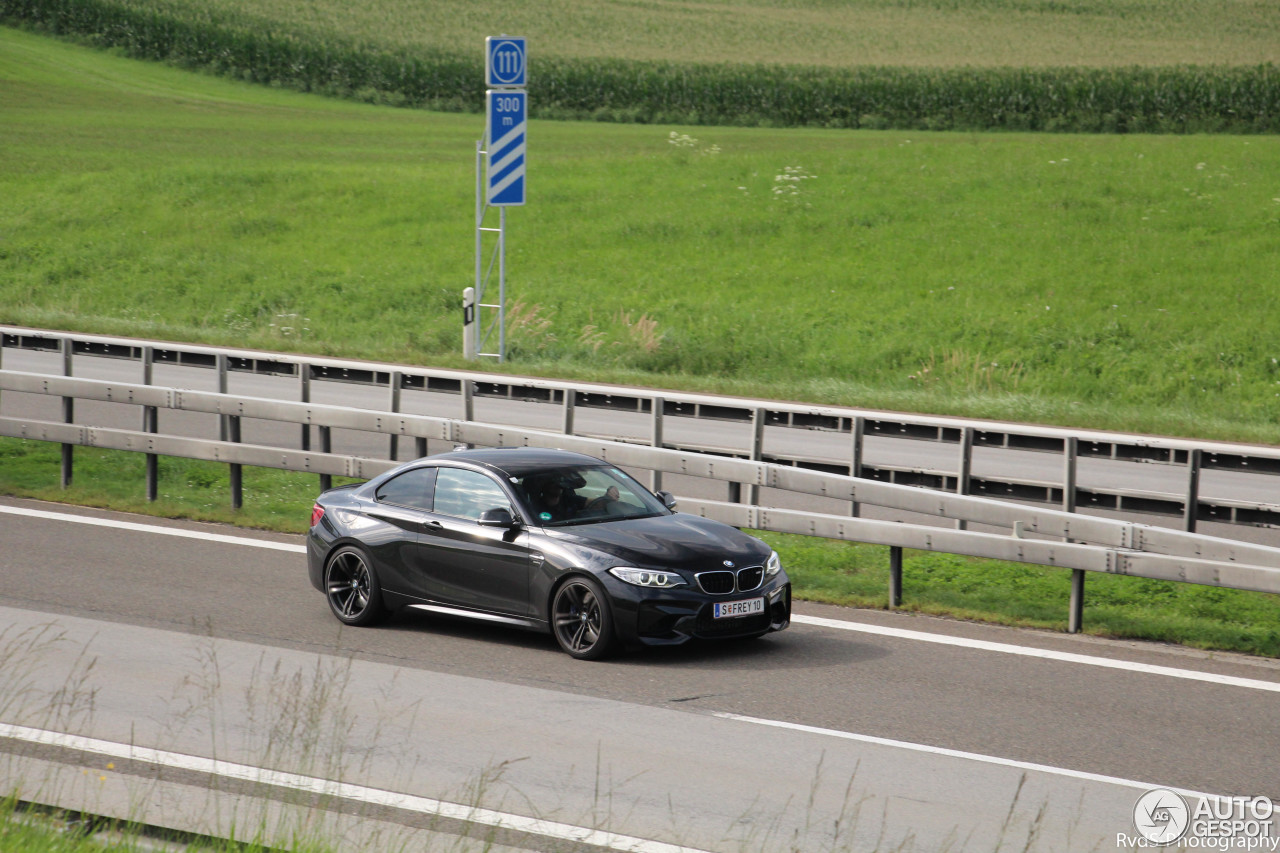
pixel 729 609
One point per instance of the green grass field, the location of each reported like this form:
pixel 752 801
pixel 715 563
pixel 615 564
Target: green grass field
pixel 1127 282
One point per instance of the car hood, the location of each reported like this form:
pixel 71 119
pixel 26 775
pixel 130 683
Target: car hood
pixel 678 541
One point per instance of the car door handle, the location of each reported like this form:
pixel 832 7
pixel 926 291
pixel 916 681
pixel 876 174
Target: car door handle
pixel 433 525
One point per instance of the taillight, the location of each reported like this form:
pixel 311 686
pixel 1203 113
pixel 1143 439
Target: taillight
pixel 317 513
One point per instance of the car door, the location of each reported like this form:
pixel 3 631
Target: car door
pixel 486 568
pixel 401 510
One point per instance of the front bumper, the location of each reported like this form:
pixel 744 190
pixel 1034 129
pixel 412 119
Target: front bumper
pixel 677 616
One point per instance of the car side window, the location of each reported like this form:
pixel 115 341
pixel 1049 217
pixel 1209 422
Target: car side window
pixel 413 488
pixel 467 494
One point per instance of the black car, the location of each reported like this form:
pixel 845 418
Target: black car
pixel 542 539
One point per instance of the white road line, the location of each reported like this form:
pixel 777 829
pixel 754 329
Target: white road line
pixel 154 528
pixel 954 753
pixel 799 619
pixel 1044 654
pixel 343 790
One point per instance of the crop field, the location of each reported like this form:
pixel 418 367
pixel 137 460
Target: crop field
pixel 1078 65
pixel 903 33
pixel 1128 282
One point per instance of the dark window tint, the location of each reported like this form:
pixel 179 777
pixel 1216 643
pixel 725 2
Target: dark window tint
pixel 466 494
pixel 412 488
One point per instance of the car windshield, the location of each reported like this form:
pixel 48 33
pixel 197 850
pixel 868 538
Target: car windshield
pixel 586 495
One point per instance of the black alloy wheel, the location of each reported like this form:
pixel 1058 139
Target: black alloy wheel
pixel 581 620
pixel 352 588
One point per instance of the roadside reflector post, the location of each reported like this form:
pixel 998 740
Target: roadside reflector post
pixel 895 576
pixel 1075 618
pixel 469 323
pixel 68 412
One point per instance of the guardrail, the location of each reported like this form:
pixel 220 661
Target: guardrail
pixel 1191 457
pixel 1092 544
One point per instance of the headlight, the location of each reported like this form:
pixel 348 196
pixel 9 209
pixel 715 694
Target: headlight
pixel 647 577
pixel 772 567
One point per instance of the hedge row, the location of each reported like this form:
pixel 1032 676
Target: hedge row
pixel 1176 99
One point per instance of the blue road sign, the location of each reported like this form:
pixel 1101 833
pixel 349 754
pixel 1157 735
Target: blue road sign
pixel 505 62
pixel 505 133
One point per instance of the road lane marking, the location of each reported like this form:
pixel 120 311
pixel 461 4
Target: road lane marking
pixel 955 753
pixel 799 619
pixel 135 527
pixel 1044 654
pixel 344 790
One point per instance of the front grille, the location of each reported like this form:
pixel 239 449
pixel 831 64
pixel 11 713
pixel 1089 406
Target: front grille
pixel 749 579
pixel 716 583
pixel 723 583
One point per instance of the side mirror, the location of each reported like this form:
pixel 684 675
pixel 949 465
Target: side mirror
pixel 668 500
pixel 498 517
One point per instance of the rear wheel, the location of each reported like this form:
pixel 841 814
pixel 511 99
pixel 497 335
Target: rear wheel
pixel 352 587
pixel 581 620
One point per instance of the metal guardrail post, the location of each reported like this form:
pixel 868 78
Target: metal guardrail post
pixel 858 429
pixel 468 400
pixel 757 451
pixel 397 380
pixel 326 446
pixel 304 396
pixel 148 373
pixel 237 470
pixel 67 345
pixel 895 576
pixel 1070 460
pixel 1075 615
pixel 966 465
pixel 570 399
pixel 655 437
pixel 1192 507
pixel 220 362
pixel 153 461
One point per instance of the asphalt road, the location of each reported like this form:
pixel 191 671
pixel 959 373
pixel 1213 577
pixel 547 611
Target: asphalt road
pixel 214 647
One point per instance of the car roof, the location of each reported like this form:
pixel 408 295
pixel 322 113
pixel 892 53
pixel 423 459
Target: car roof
pixel 520 461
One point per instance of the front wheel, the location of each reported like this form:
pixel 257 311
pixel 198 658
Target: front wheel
pixel 352 587
pixel 581 620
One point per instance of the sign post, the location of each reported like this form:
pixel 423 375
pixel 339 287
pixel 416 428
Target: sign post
pixel 501 157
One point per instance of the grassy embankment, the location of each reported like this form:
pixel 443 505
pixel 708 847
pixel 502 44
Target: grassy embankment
pixel 1096 281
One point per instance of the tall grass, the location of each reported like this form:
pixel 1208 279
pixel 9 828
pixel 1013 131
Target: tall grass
pixel 1178 99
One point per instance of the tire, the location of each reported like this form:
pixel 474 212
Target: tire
pixel 581 620
pixel 352 588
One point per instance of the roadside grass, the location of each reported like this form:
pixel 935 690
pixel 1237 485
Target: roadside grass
pixel 1127 282
pixel 847 574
